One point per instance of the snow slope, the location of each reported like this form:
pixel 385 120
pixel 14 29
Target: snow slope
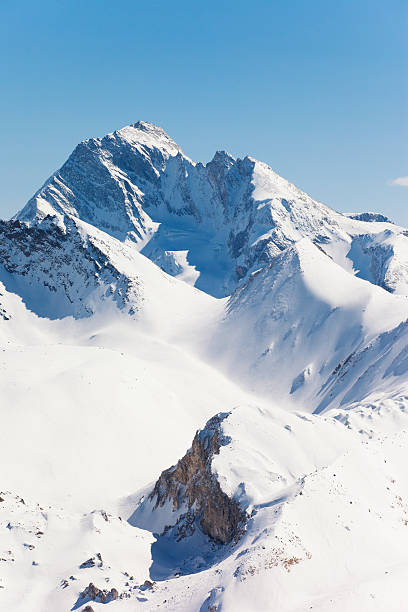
pixel 326 528
pixel 288 331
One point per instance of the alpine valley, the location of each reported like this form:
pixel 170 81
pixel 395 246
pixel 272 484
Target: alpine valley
pixel 204 391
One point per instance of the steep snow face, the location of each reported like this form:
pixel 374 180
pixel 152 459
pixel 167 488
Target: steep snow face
pixel 59 272
pixel 382 259
pixel 104 180
pixel 79 270
pixel 289 329
pixel 211 224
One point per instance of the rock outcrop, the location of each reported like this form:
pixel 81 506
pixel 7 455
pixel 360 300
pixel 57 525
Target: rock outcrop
pixel 370 217
pixel 102 596
pixel 192 484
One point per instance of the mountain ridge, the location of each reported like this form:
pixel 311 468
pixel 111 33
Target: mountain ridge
pixel 136 184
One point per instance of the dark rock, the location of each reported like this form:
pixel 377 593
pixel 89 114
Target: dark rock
pixel 370 217
pixel 88 563
pixel 147 584
pixel 99 595
pixel 50 257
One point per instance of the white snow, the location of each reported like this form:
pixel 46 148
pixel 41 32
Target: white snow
pixel 140 295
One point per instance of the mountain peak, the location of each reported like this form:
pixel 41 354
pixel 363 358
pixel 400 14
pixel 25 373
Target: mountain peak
pixel 147 126
pixel 136 183
pixel 148 135
pixel 222 155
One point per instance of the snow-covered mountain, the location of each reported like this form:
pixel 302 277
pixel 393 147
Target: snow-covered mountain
pixel 289 329
pixel 204 384
pixel 211 224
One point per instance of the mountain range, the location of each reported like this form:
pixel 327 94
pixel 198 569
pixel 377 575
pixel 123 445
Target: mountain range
pixel 204 383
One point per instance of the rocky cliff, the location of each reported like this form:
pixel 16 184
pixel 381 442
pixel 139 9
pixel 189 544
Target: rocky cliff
pixel 192 485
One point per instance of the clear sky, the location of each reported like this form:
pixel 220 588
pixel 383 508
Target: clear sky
pixel 316 88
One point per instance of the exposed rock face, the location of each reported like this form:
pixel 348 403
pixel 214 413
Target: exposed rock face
pixel 148 584
pixel 381 260
pixel 69 268
pixel 192 483
pixel 92 562
pixel 369 216
pixel 105 180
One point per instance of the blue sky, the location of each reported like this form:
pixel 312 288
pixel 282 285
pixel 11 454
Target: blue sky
pixel 316 88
